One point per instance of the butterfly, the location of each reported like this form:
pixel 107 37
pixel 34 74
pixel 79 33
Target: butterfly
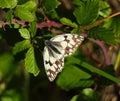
pixel 56 49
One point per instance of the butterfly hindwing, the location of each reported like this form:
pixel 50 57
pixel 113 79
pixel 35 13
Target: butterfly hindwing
pixel 56 49
pixel 52 65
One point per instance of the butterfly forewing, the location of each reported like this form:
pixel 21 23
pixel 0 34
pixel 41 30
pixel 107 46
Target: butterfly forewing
pixel 56 49
pixel 72 43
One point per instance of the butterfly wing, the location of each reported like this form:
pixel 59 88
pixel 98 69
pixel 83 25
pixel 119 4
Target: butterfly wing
pixel 52 65
pixel 69 42
pixel 63 45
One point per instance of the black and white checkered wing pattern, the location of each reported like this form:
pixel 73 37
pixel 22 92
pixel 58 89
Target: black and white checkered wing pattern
pixel 56 49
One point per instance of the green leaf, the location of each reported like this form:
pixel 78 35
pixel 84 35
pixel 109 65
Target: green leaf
pixel 73 77
pixel 74 98
pixel 87 12
pixel 16 26
pixel 54 14
pixel 0 25
pixel 21 46
pixel 73 60
pixel 88 94
pixel 68 22
pixel 24 33
pixel 76 31
pixel 11 95
pixel 6 64
pixel 9 16
pixel 30 5
pixel 114 25
pixel 30 62
pixel 77 2
pixel 105 9
pixel 33 29
pixel 8 3
pixel 50 6
pixel 24 14
pixel 103 34
pixel 117 62
pixel 100 72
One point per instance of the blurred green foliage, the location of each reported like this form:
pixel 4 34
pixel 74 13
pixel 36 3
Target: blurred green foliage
pixel 28 23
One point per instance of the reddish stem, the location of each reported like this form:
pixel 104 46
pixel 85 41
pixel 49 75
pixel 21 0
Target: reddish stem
pixel 101 44
pixel 40 25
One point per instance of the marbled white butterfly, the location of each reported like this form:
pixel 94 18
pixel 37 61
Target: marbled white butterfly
pixel 56 49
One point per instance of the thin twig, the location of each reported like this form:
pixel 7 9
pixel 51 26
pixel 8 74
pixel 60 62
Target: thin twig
pixel 97 23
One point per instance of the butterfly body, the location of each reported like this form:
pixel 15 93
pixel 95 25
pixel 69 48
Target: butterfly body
pixel 56 49
pixel 52 46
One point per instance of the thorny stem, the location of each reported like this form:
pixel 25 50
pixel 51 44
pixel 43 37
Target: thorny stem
pixel 41 25
pixel 49 23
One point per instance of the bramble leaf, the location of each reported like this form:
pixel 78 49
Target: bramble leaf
pixel 33 29
pixel 24 33
pixel 8 3
pixel 75 78
pixel 30 5
pixel 24 14
pixel 50 6
pixel 103 34
pixel 30 62
pixel 105 9
pixel 68 22
pixel 87 12
pixel 77 2
pixel 9 16
pixel 21 46
pixel 114 25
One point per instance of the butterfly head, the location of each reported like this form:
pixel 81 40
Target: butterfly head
pixel 47 43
